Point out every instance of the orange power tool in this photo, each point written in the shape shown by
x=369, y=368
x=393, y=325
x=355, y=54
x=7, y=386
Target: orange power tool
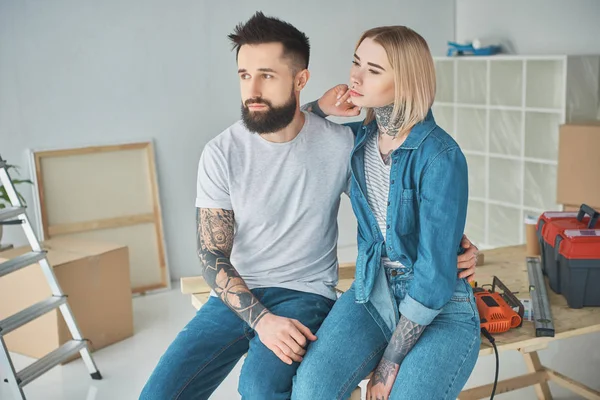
x=496, y=310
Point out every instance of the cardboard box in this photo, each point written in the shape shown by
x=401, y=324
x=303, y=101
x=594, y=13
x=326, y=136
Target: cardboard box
x=94, y=276
x=578, y=176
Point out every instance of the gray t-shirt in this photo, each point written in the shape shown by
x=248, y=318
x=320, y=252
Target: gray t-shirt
x=285, y=198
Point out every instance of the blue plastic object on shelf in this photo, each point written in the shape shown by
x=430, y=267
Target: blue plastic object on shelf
x=455, y=49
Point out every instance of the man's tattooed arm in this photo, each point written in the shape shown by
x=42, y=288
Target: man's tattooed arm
x=403, y=340
x=313, y=107
x=215, y=241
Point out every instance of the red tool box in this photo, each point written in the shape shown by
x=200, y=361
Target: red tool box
x=570, y=244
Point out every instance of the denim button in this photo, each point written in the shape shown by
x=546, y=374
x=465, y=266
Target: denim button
x=392, y=181
x=388, y=227
x=394, y=272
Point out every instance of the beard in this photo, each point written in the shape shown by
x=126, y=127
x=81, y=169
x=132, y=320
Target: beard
x=273, y=119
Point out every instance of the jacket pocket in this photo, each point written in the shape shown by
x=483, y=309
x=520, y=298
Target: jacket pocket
x=407, y=221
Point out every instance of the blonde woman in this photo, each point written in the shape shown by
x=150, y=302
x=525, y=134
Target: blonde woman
x=408, y=317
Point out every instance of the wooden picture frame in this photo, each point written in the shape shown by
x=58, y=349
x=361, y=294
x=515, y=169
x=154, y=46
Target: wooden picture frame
x=107, y=193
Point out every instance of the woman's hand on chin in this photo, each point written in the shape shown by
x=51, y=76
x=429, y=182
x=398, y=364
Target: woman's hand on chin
x=337, y=102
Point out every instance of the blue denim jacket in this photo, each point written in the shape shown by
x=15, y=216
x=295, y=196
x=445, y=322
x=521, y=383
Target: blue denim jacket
x=425, y=221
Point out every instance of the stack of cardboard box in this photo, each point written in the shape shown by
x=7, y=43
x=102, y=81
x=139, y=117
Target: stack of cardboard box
x=579, y=166
x=94, y=276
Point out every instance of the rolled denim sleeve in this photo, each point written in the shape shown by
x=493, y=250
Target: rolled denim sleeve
x=442, y=215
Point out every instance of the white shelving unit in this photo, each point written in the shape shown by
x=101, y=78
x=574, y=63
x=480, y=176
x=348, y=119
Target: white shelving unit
x=505, y=112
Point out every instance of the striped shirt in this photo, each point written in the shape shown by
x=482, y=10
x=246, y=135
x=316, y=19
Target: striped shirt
x=377, y=175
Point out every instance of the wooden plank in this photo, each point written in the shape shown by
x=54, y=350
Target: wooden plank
x=194, y=284
x=106, y=223
x=508, y=385
x=344, y=284
x=542, y=390
x=40, y=189
x=148, y=288
x=508, y=263
x=480, y=260
x=198, y=299
x=157, y=213
x=531, y=349
x=574, y=386
x=346, y=273
x=90, y=150
x=356, y=394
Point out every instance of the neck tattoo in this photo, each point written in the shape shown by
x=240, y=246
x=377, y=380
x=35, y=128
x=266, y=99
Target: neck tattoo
x=383, y=115
x=387, y=158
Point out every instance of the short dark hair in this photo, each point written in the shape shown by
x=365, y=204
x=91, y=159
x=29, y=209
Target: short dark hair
x=261, y=29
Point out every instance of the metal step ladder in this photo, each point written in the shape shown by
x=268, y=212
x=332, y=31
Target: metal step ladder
x=15, y=214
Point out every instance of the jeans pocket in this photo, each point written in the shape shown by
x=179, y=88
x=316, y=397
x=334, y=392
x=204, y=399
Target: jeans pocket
x=462, y=301
x=462, y=292
x=461, y=308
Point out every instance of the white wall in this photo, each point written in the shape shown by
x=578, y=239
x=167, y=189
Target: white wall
x=83, y=73
x=76, y=73
x=532, y=26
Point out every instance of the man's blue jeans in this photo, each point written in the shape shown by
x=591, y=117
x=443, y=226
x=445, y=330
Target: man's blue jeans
x=208, y=348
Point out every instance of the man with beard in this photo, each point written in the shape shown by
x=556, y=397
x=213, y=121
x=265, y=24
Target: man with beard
x=267, y=200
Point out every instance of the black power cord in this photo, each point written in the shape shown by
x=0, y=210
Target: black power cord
x=493, y=342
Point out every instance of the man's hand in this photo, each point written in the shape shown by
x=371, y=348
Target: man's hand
x=381, y=383
x=467, y=261
x=285, y=337
x=337, y=101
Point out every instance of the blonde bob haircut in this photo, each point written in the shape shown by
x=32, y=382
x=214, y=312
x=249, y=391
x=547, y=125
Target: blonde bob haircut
x=414, y=73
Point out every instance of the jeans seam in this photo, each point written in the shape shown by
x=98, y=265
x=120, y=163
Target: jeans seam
x=227, y=346
x=474, y=309
x=453, y=381
x=460, y=299
x=355, y=374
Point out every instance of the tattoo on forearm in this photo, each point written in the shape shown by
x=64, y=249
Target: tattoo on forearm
x=403, y=340
x=384, y=371
x=308, y=107
x=215, y=242
x=313, y=107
